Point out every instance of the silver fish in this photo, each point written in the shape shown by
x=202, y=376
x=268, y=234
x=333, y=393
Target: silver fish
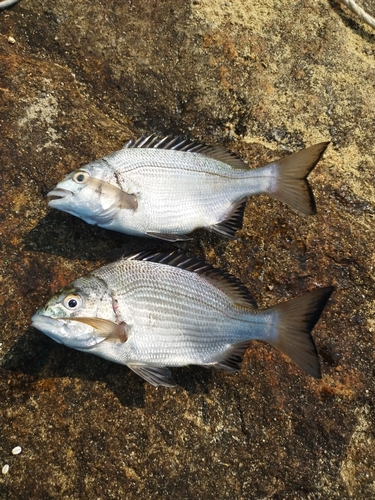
x=166, y=188
x=154, y=311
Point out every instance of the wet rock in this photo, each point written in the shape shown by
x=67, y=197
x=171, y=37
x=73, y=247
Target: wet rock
x=263, y=79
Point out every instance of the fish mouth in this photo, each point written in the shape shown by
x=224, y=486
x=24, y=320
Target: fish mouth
x=39, y=320
x=60, y=330
x=45, y=324
x=57, y=195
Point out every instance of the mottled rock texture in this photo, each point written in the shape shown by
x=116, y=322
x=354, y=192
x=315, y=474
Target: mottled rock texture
x=263, y=78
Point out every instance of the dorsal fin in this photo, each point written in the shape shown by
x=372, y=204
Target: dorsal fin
x=182, y=144
x=222, y=280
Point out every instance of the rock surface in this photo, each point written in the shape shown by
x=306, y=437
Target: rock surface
x=78, y=79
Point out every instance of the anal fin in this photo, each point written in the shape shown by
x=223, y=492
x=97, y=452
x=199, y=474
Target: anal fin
x=156, y=375
x=232, y=358
x=233, y=222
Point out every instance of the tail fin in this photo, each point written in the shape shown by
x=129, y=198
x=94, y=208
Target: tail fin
x=296, y=319
x=291, y=186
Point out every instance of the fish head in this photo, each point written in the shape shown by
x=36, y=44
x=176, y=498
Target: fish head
x=91, y=194
x=80, y=315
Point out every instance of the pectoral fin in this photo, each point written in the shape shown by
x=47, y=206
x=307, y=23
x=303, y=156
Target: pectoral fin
x=156, y=375
x=128, y=201
x=108, y=330
x=121, y=198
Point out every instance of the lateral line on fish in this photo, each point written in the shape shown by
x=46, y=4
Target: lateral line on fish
x=199, y=170
x=204, y=302
x=221, y=280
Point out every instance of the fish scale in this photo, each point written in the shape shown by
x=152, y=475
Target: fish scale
x=180, y=302
x=204, y=187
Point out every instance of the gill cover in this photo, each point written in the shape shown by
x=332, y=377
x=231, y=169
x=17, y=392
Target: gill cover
x=92, y=199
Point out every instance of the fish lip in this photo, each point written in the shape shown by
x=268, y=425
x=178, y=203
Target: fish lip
x=58, y=194
x=45, y=324
x=39, y=320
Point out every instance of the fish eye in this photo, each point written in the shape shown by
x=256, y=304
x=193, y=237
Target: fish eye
x=81, y=177
x=72, y=301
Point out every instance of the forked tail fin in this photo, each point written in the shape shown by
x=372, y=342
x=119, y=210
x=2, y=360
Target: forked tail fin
x=296, y=319
x=290, y=174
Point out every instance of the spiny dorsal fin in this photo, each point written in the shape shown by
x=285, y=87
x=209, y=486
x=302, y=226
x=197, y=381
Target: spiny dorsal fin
x=222, y=280
x=182, y=144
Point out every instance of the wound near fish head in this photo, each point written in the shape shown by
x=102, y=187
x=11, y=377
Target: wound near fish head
x=82, y=315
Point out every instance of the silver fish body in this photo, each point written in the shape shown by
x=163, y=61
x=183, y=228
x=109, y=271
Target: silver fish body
x=151, y=312
x=7, y=3
x=167, y=188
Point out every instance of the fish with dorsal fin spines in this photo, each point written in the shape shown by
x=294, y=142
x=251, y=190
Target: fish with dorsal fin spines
x=156, y=311
x=168, y=187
